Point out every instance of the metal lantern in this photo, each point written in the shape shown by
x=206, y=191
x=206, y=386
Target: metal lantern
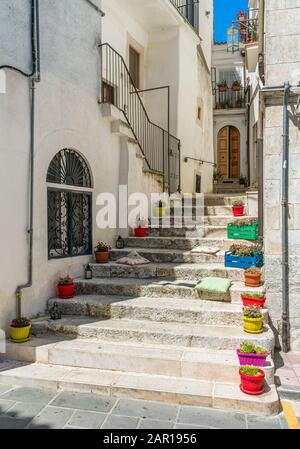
x=55, y=314
x=232, y=39
x=120, y=243
x=88, y=272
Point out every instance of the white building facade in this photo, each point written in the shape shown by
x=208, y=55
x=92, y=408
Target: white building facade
x=65, y=119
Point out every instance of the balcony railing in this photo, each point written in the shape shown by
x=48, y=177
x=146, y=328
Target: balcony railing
x=230, y=98
x=190, y=10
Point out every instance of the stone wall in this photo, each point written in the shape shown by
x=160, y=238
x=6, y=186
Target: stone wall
x=282, y=64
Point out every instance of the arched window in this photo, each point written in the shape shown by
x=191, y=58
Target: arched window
x=69, y=210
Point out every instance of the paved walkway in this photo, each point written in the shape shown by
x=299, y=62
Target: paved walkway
x=32, y=408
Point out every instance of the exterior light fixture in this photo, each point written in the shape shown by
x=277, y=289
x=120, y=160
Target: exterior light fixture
x=232, y=39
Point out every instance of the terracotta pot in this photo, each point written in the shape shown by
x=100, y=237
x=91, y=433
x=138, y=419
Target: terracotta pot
x=140, y=232
x=102, y=257
x=254, y=301
x=238, y=211
x=66, y=291
x=236, y=88
x=252, y=280
x=253, y=385
x=223, y=88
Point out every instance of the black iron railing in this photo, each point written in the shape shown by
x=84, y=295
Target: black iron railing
x=160, y=149
x=190, y=10
x=230, y=98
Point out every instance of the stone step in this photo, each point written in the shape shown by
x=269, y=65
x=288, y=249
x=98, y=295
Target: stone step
x=192, y=272
x=180, y=243
x=158, y=255
x=165, y=288
x=223, y=199
x=161, y=333
x=153, y=309
x=221, y=220
x=143, y=386
x=181, y=362
x=215, y=231
x=218, y=210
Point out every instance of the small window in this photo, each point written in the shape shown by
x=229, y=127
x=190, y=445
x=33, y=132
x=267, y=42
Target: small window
x=134, y=67
x=108, y=93
x=69, y=211
x=199, y=113
x=198, y=184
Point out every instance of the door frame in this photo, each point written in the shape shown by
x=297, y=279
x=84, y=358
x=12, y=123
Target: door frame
x=229, y=158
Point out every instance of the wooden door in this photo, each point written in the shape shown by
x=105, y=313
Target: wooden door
x=234, y=169
x=223, y=151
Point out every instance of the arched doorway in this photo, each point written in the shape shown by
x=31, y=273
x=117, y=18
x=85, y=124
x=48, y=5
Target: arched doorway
x=229, y=152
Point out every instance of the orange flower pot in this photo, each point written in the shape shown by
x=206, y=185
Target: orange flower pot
x=252, y=280
x=102, y=257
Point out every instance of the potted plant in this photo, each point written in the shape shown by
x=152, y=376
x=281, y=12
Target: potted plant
x=20, y=330
x=223, y=86
x=249, y=354
x=244, y=256
x=253, y=319
x=253, y=277
x=160, y=209
x=246, y=229
x=65, y=287
x=218, y=177
x=102, y=252
x=243, y=181
x=251, y=299
x=141, y=230
x=252, y=380
x=238, y=208
x=241, y=15
x=236, y=86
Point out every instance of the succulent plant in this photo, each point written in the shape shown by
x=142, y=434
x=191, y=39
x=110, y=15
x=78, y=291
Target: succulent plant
x=247, y=348
x=252, y=312
x=244, y=222
x=253, y=296
x=20, y=322
x=238, y=203
x=250, y=370
x=65, y=281
x=240, y=249
x=260, y=350
x=102, y=247
x=253, y=270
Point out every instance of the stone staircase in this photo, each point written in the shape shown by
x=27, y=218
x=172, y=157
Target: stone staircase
x=145, y=332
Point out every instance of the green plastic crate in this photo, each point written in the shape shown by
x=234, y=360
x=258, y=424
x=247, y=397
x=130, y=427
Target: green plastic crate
x=242, y=232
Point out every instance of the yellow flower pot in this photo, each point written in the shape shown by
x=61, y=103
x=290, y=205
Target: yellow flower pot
x=160, y=212
x=253, y=325
x=19, y=334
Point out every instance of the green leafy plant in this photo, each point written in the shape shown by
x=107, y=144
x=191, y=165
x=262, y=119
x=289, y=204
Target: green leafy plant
x=238, y=203
x=252, y=312
x=65, y=281
x=240, y=249
x=102, y=247
x=253, y=296
x=243, y=180
x=244, y=222
x=260, y=350
x=236, y=83
x=247, y=348
x=223, y=83
x=20, y=322
x=250, y=370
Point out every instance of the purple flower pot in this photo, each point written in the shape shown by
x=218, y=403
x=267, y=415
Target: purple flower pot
x=252, y=359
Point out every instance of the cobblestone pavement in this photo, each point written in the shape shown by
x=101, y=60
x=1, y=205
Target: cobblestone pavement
x=32, y=408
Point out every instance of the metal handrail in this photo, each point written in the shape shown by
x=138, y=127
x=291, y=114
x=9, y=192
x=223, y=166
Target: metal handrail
x=230, y=98
x=189, y=9
x=155, y=143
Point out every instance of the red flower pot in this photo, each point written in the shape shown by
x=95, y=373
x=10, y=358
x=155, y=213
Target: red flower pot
x=66, y=291
x=236, y=88
x=223, y=88
x=102, y=257
x=238, y=211
x=254, y=301
x=253, y=385
x=140, y=232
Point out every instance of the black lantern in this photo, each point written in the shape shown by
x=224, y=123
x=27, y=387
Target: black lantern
x=120, y=243
x=88, y=272
x=55, y=314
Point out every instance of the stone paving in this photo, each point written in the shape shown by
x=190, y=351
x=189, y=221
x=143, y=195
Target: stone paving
x=32, y=408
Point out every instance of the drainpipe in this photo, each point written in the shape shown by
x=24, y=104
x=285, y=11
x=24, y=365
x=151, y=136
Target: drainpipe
x=34, y=77
x=261, y=41
x=285, y=229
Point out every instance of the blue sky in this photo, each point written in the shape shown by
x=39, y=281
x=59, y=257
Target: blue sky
x=225, y=13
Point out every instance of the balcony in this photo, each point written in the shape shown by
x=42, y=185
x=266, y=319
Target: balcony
x=190, y=10
x=230, y=98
